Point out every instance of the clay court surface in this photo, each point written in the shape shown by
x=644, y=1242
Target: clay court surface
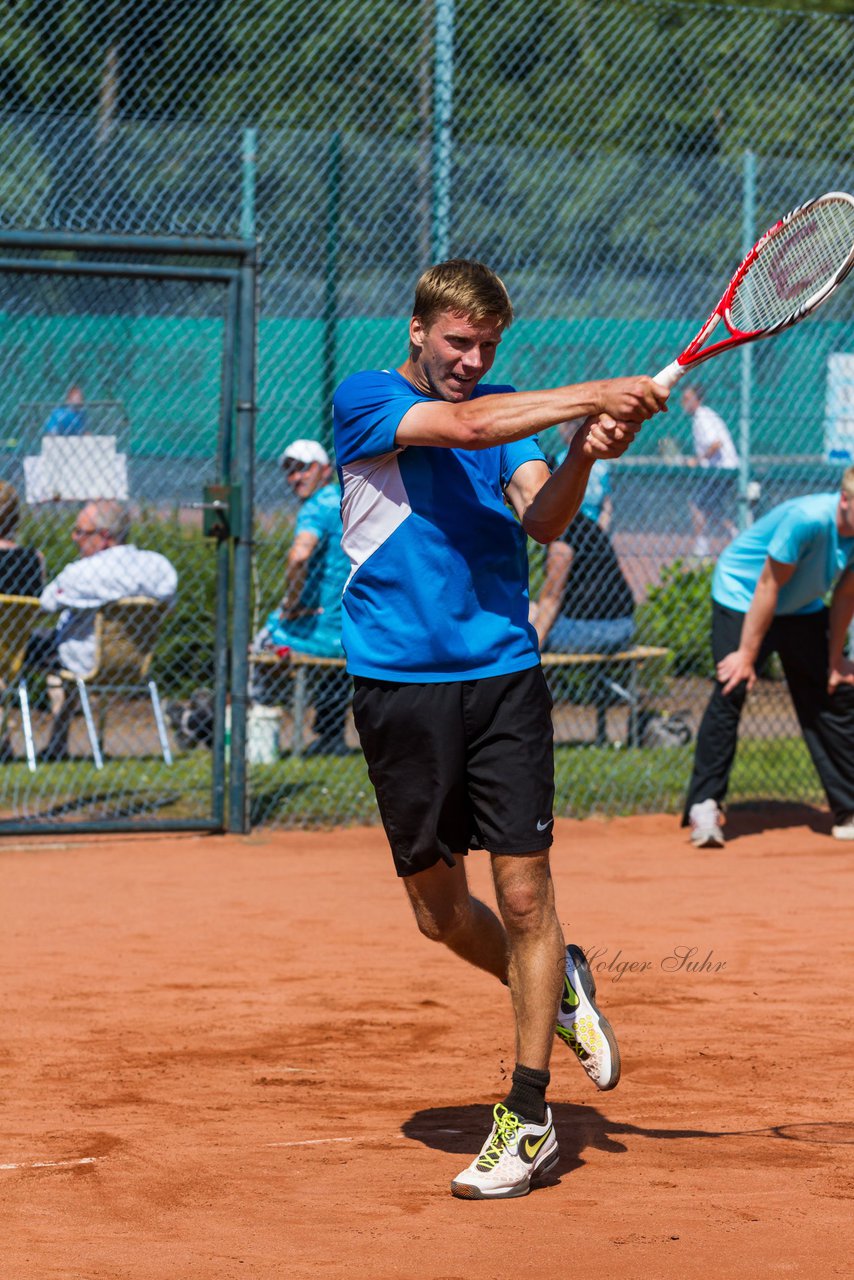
x=236, y=1057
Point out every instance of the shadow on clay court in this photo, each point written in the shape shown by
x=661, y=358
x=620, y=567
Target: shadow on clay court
x=774, y=815
x=461, y=1130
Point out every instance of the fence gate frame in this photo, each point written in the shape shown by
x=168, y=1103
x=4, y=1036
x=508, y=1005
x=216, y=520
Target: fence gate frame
x=235, y=270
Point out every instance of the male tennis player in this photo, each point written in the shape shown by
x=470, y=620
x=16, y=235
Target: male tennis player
x=768, y=595
x=450, y=701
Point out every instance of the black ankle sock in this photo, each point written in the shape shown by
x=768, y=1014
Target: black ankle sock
x=527, y=1096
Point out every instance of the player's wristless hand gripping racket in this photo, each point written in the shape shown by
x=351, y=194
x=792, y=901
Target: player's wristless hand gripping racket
x=793, y=269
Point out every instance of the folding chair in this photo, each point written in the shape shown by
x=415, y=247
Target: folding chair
x=125, y=634
x=18, y=615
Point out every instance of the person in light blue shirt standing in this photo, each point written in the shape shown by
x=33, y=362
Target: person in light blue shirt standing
x=308, y=619
x=768, y=595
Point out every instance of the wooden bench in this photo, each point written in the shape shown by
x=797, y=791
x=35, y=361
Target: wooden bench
x=297, y=667
x=633, y=659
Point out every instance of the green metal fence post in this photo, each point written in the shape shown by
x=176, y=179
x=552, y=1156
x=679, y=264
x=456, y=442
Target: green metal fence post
x=223, y=555
x=443, y=93
x=238, y=809
x=330, y=289
x=247, y=204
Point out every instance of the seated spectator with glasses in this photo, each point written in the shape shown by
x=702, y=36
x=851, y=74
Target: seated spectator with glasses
x=108, y=568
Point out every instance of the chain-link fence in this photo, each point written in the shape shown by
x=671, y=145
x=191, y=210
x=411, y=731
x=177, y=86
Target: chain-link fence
x=611, y=161
x=112, y=602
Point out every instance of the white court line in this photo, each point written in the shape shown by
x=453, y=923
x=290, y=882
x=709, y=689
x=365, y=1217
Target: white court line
x=317, y=1142
x=51, y=1164
x=310, y=1142
x=300, y=1071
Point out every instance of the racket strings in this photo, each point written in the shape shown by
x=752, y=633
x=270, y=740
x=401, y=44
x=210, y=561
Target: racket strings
x=794, y=264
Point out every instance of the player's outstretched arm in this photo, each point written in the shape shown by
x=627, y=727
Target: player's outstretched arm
x=484, y=421
x=741, y=664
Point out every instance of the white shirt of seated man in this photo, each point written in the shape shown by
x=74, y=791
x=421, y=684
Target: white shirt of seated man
x=108, y=568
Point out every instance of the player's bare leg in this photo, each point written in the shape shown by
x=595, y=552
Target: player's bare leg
x=447, y=912
x=521, y=1148
x=536, y=951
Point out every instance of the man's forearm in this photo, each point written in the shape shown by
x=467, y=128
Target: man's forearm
x=558, y=501
x=759, y=616
x=485, y=421
x=294, y=585
x=547, y=610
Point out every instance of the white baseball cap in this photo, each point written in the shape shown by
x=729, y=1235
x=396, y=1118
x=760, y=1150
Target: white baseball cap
x=305, y=451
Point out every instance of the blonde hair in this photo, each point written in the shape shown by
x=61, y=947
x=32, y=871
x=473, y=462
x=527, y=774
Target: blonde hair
x=848, y=482
x=464, y=287
x=10, y=509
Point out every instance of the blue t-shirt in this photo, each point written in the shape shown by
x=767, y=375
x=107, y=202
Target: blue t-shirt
x=319, y=631
x=438, y=587
x=801, y=532
x=66, y=420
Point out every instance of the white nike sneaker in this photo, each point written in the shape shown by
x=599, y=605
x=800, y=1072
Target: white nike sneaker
x=516, y=1154
x=706, y=821
x=582, y=1026
x=844, y=830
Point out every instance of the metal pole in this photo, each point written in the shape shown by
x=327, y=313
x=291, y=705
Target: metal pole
x=330, y=289
x=78, y=242
x=443, y=93
x=748, y=235
x=125, y=270
x=247, y=204
x=223, y=554
x=238, y=809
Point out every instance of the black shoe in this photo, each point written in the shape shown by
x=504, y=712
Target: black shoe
x=54, y=752
x=7, y=755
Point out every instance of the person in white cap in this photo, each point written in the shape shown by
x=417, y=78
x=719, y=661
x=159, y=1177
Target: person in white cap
x=308, y=619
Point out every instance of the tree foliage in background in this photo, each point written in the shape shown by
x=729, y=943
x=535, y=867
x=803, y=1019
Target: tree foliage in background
x=269, y=61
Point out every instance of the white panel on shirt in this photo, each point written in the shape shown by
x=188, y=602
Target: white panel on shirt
x=374, y=503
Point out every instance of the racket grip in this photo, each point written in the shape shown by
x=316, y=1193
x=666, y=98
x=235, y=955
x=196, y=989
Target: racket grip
x=670, y=375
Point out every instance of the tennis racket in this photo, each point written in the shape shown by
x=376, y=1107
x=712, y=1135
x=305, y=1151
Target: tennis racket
x=789, y=272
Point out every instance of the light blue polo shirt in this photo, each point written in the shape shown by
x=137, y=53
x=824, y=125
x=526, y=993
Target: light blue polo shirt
x=319, y=632
x=599, y=486
x=801, y=532
x=438, y=587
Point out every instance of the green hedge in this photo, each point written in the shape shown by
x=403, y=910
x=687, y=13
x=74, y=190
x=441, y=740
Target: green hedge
x=677, y=615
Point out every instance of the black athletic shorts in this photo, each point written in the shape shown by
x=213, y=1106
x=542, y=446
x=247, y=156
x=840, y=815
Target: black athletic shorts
x=458, y=766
